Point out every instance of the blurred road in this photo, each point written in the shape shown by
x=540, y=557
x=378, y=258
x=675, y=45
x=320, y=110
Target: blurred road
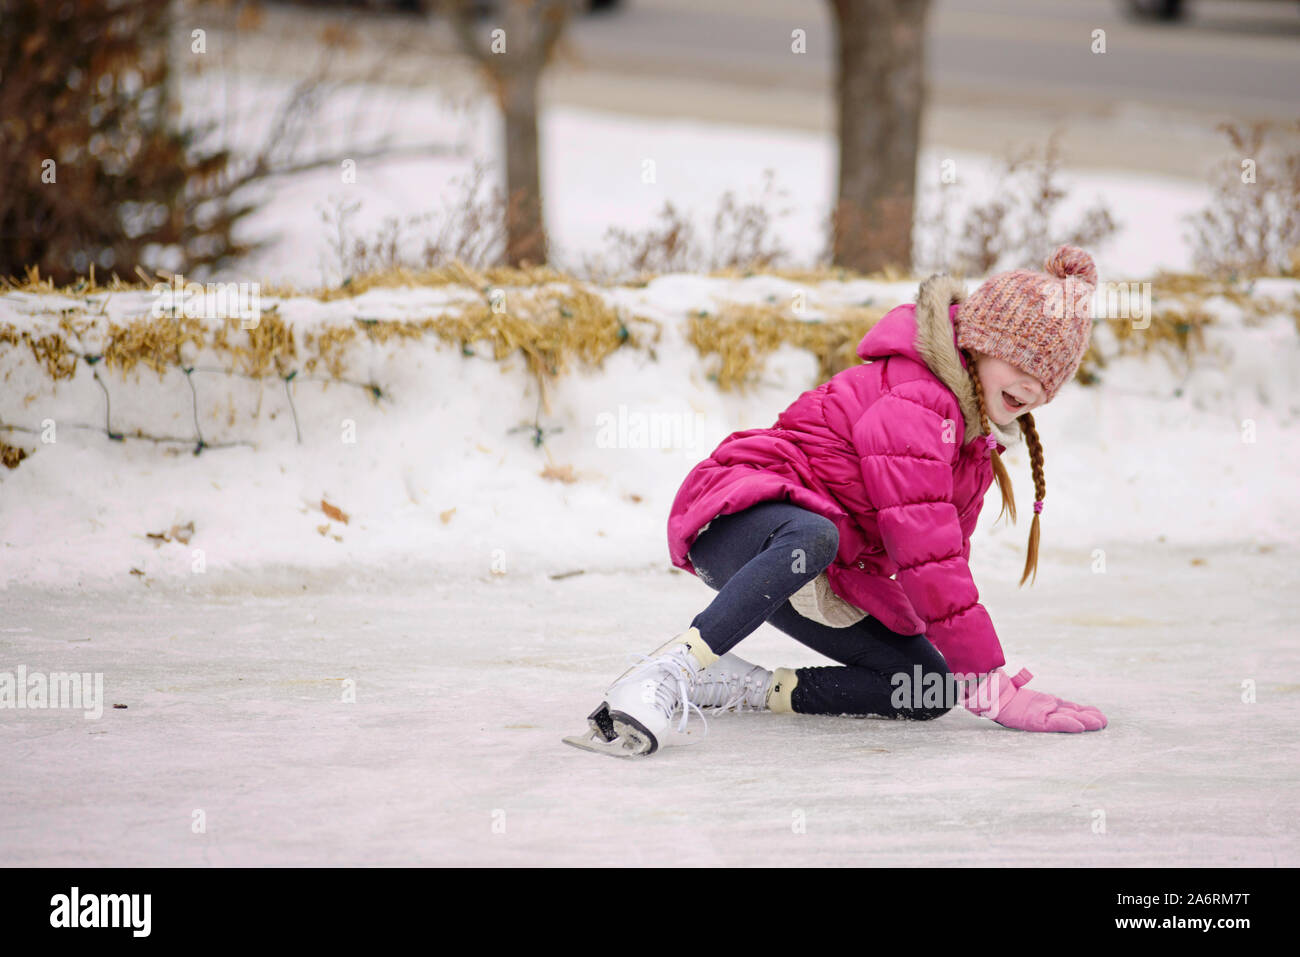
x=1243, y=57
x=1001, y=72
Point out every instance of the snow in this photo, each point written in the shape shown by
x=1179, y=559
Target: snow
x=602, y=169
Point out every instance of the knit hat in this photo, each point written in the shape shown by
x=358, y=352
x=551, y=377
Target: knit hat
x=1037, y=322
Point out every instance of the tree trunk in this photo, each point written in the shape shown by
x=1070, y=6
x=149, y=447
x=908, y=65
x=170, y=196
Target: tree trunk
x=880, y=86
x=525, y=235
x=529, y=36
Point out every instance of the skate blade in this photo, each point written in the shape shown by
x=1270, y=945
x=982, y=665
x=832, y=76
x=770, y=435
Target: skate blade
x=610, y=734
x=592, y=741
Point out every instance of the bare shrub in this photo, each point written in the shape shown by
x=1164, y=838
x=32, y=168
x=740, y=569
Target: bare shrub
x=743, y=235
x=473, y=228
x=1252, y=226
x=1014, y=227
x=469, y=229
x=669, y=246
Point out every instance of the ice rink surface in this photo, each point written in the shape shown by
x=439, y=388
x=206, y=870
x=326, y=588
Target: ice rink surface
x=237, y=746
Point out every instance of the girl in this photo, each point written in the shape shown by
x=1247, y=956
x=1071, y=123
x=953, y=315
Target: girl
x=847, y=524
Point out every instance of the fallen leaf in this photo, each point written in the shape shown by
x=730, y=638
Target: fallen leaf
x=446, y=516
x=563, y=473
x=323, y=528
x=136, y=571
x=333, y=512
x=11, y=455
x=180, y=533
x=1198, y=561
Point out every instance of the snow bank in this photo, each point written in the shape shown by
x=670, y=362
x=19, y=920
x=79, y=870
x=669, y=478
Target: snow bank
x=444, y=478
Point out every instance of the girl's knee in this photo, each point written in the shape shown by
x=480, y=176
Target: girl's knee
x=820, y=540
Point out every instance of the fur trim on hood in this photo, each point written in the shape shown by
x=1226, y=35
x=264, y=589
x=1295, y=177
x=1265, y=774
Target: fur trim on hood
x=936, y=341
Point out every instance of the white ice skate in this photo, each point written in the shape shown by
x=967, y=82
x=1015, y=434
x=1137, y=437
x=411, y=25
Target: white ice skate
x=635, y=717
x=732, y=684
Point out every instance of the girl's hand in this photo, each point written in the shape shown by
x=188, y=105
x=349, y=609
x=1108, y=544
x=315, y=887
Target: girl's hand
x=1011, y=705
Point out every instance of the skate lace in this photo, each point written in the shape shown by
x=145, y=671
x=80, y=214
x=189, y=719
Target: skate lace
x=679, y=669
x=732, y=688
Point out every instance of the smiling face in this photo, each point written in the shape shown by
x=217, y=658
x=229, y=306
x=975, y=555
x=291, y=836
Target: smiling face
x=1004, y=386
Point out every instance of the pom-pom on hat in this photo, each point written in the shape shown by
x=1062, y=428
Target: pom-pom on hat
x=1038, y=322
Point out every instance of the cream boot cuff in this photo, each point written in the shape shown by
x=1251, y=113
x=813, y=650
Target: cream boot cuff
x=699, y=648
x=778, y=696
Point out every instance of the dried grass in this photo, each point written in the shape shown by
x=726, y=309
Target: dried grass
x=158, y=343
x=1179, y=319
x=740, y=337
x=451, y=274
x=556, y=322
x=554, y=326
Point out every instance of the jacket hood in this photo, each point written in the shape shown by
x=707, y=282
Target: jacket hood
x=925, y=332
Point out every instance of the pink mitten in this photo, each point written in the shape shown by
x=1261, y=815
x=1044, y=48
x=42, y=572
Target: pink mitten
x=1011, y=705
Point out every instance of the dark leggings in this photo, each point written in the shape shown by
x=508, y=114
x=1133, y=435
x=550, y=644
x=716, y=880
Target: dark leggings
x=753, y=559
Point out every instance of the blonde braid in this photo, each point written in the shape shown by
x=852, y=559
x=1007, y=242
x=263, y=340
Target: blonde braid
x=999, y=470
x=1035, y=446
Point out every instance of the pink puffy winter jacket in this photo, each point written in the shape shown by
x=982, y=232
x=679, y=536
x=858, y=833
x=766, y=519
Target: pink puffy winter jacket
x=885, y=450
